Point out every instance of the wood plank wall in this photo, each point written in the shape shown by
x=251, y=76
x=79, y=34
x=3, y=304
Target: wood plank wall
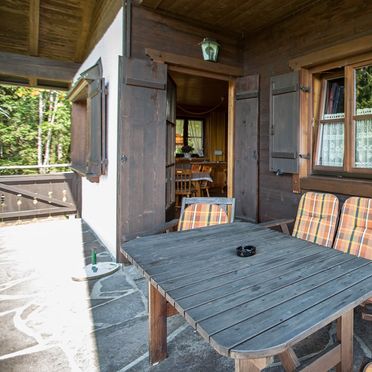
x=151, y=30
x=325, y=24
x=215, y=135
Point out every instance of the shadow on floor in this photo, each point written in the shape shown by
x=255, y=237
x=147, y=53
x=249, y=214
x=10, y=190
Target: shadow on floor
x=52, y=323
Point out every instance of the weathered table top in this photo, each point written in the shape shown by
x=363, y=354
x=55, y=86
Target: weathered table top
x=254, y=306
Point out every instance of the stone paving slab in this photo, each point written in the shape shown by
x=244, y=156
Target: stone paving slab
x=50, y=323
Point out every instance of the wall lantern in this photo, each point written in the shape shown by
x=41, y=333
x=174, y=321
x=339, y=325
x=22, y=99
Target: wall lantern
x=210, y=49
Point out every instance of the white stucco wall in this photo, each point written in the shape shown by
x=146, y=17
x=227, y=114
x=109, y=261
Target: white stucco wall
x=99, y=199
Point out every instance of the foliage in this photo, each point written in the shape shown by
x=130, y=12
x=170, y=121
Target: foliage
x=187, y=148
x=28, y=117
x=364, y=88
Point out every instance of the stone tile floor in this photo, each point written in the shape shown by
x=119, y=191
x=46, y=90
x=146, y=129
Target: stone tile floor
x=50, y=323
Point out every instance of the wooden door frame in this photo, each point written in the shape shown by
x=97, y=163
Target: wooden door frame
x=230, y=116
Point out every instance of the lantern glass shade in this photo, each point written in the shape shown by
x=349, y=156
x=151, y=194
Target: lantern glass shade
x=210, y=49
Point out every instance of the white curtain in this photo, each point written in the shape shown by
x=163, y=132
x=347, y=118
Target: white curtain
x=363, y=143
x=195, y=133
x=331, y=152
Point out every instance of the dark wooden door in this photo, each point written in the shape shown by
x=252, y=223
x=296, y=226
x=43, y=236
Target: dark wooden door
x=142, y=155
x=246, y=147
x=170, y=167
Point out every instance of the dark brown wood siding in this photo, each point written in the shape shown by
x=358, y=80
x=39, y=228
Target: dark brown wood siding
x=151, y=30
x=267, y=53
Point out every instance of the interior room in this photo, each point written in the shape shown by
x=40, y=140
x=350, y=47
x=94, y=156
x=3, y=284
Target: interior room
x=201, y=133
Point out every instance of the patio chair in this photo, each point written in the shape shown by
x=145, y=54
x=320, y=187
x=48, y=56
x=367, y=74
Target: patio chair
x=354, y=235
x=316, y=219
x=202, y=212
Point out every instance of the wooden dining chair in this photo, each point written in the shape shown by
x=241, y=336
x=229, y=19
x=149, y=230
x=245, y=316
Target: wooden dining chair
x=316, y=219
x=183, y=185
x=202, y=212
x=354, y=235
x=204, y=185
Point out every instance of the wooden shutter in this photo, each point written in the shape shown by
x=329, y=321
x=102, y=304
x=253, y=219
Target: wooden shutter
x=246, y=147
x=170, y=196
x=284, y=123
x=88, y=129
x=142, y=118
x=96, y=129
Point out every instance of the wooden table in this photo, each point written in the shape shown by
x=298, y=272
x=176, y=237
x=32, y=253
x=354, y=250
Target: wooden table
x=252, y=308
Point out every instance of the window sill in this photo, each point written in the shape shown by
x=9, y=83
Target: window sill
x=345, y=186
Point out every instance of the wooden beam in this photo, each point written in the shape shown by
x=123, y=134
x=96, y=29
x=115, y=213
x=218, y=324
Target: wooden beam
x=86, y=18
x=194, y=63
x=326, y=361
x=345, y=327
x=336, y=52
x=230, y=139
x=157, y=326
x=289, y=360
x=34, y=26
x=37, y=67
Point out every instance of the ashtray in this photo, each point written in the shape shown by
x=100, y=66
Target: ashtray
x=246, y=251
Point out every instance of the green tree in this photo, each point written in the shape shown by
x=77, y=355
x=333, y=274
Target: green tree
x=34, y=127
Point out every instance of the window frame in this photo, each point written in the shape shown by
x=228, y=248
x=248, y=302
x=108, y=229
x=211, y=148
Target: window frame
x=323, y=98
x=348, y=170
x=186, y=120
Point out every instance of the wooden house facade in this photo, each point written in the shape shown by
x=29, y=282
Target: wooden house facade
x=276, y=67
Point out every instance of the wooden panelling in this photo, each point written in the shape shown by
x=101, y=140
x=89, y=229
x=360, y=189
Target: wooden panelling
x=142, y=148
x=269, y=52
x=32, y=196
x=55, y=29
x=239, y=16
x=150, y=30
x=215, y=135
x=245, y=154
x=43, y=68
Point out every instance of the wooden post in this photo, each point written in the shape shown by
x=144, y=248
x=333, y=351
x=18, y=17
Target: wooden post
x=250, y=365
x=289, y=360
x=157, y=326
x=345, y=325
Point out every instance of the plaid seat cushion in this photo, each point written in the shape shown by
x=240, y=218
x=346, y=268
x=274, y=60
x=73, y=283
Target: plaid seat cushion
x=316, y=218
x=201, y=215
x=354, y=234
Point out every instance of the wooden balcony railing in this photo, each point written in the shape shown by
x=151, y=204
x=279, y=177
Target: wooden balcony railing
x=39, y=195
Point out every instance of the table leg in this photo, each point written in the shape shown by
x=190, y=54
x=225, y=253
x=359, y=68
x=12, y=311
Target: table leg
x=250, y=365
x=345, y=327
x=157, y=325
x=289, y=360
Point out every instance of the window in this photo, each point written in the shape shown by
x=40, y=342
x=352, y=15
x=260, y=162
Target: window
x=190, y=132
x=88, y=124
x=344, y=128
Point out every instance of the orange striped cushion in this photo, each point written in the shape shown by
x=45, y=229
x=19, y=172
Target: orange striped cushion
x=201, y=215
x=354, y=233
x=316, y=218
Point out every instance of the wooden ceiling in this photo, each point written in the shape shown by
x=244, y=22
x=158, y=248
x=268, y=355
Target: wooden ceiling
x=197, y=91
x=62, y=30
x=239, y=17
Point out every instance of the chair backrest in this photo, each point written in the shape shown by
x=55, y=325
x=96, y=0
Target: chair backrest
x=201, y=212
x=207, y=169
x=317, y=218
x=183, y=181
x=354, y=233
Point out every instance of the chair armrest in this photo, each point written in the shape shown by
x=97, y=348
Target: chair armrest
x=283, y=223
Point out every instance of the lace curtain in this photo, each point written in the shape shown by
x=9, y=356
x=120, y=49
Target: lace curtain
x=331, y=152
x=363, y=140
x=196, y=136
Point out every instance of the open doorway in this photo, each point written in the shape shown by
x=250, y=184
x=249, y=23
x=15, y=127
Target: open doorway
x=201, y=132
